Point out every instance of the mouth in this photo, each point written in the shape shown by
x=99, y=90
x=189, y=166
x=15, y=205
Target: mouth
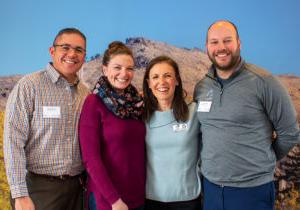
x=69, y=61
x=122, y=80
x=163, y=89
x=222, y=54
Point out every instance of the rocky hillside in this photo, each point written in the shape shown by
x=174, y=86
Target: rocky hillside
x=292, y=83
x=6, y=85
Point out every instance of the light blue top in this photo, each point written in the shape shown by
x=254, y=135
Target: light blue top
x=172, y=157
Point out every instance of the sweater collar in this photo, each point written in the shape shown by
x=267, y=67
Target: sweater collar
x=159, y=118
x=213, y=74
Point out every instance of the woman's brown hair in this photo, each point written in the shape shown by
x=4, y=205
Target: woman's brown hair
x=115, y=48
x=179, y=106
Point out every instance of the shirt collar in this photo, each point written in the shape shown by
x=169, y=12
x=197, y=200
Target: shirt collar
x=55, y=75
x=52, y=73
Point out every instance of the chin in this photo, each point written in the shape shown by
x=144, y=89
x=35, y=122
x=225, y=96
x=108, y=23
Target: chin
x=121, y=88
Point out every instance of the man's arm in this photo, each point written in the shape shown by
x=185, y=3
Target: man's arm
x=18, y=113
x=283, y=116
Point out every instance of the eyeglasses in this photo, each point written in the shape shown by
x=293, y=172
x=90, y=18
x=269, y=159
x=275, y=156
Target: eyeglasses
x=66, y=48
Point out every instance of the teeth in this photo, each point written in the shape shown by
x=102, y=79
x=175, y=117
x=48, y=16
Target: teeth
x=121, y=80
x=222, y=55
x=162, y=89
x=69, y=61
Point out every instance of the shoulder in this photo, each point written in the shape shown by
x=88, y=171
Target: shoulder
x=27, y=85
x=263, y=77
x=92, y=106
x=198, y=87
x=192, y=106
x=92, y=100
x=201, y=81
x=83, y=90
x=83, y=87
x=93, y=103
x=192, y=111
x=257, y=71
x=266, y=80
x=31, y=79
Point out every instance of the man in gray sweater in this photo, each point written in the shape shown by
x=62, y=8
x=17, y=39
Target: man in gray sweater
x=239, y=107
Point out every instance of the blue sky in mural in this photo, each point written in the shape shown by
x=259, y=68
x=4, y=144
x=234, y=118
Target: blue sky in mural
x=269, y=29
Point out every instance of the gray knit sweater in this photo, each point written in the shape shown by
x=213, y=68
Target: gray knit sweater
x=237, y=121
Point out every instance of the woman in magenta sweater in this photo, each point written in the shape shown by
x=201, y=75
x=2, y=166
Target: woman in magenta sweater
x=112, y=136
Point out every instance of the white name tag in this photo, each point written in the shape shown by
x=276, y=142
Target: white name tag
x=204, y=106
x=180, y=127
x=51, y=112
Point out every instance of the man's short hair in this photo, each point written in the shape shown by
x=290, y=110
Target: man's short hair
x=68, y=31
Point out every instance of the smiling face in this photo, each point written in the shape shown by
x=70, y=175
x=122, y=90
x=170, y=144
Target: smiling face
x=223, y=46
x=119, y=71
x=68, y=61
x=162, y=82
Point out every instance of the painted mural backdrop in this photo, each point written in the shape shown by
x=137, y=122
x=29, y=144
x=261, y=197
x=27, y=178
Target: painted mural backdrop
x=193, y=65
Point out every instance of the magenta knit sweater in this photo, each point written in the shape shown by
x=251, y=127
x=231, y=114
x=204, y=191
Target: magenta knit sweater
x=113, y=153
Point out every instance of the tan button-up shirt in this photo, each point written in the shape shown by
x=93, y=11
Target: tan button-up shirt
x=41, y=128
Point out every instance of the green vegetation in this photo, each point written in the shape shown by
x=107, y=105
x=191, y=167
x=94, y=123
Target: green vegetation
x=4, y=189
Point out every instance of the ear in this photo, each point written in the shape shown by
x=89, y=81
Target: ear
x=104, y=70
x=52, y=51
x=206, y=50
x=239, y=44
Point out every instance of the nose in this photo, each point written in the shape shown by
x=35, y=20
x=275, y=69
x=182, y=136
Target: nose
x=123, y=72
x=221, y=46
x=162, y=80
x=72, y=52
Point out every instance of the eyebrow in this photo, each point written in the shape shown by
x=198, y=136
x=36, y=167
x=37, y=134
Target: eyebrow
x=227, y=37
x=69, y=45
x=116, y=64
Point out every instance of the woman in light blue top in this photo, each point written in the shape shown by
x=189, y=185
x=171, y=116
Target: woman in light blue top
x=172, y=140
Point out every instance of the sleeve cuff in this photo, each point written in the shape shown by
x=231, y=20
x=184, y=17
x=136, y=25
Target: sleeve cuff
x=18, y=191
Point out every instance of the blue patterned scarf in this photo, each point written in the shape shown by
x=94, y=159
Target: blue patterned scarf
x=128, y=105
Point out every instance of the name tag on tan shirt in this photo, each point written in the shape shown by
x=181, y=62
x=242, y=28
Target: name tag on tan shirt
x=51, y=111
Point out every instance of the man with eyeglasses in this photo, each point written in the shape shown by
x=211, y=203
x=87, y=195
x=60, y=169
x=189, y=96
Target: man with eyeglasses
x=41, y=147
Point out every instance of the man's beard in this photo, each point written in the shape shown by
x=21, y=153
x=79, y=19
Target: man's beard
x=235, y=59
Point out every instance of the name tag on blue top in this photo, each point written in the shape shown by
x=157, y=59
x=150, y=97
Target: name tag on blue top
x=180, y=127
